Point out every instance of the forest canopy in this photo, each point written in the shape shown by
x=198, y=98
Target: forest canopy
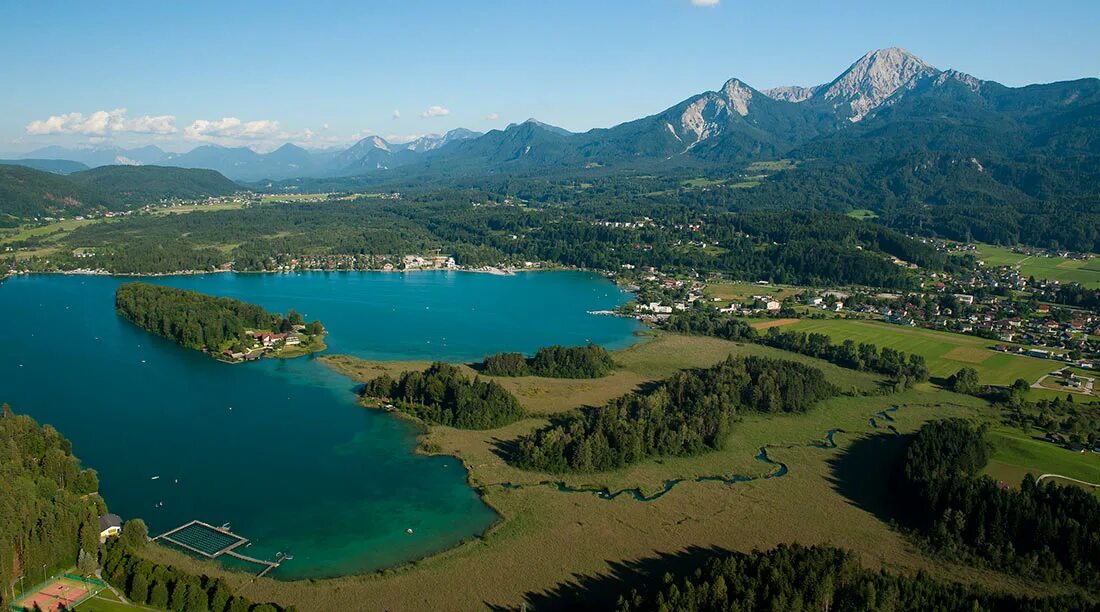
x=48, y=513
x=202, y=322
x=686, y=414
x=1041, y=529
x=443, y=395
x=591, y=361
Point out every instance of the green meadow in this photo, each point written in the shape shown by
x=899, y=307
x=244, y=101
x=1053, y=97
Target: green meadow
x=945, y=352
x=1086, y=272
x=1016, y=453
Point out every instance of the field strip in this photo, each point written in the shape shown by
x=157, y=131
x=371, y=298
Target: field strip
x=762, y=325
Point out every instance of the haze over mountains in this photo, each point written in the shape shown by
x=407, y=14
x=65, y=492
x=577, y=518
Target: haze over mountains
x=887, y=103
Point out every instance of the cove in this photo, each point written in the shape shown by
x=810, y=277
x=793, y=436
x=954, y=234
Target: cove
x=279, y=449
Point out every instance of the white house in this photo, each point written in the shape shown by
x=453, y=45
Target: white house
x=110, y=525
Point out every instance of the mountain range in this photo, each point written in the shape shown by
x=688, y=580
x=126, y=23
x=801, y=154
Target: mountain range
x=888, y=103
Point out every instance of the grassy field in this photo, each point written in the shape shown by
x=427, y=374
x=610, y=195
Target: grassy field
x=945, y=352
x=1054, y=268
x=31, y=231
x=1017, y=453
x=550, y=541
x=862, y=214
x=190, y=208
x=106, y=601
x=744, y=291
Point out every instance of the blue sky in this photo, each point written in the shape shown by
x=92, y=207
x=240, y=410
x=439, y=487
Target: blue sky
x=179, y=74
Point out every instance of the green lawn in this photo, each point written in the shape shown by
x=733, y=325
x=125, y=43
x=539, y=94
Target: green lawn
x=945, y=352
x=743, y=291
x=1017, y=453
x=1054, y=268
x=106, y=602
x=862, y=214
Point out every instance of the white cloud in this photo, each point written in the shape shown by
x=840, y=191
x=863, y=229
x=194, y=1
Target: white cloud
x=102, y=123
x=705, y=2
x=492, y=116
x=396, y=114
x=435, y=111
x=230, y=130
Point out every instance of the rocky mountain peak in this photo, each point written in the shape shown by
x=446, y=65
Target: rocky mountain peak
x=738, y=95
x=867, y=84
x=972, y=82
x=789, y=93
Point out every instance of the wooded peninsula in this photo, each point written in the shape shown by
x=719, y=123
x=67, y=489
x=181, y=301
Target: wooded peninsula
x=224, y=328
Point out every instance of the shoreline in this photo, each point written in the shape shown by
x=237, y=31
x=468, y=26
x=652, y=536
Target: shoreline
x=490, y=270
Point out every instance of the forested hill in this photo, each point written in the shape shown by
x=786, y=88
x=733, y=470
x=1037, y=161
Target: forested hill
x=27, y=193
x=46, y=514
x=138, y=185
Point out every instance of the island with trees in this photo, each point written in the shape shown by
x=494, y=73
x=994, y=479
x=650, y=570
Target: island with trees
x=227, y=329
x=591, y=361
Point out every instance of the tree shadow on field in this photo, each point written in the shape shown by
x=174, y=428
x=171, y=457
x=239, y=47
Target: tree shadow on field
x=601, y=591
x=508, y=450
x=866, y=474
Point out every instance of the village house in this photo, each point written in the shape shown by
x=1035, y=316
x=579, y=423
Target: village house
x=110, y=525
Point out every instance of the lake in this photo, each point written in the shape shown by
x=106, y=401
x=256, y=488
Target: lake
x=279, y=449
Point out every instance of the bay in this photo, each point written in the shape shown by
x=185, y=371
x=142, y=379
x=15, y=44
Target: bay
x=279, y=449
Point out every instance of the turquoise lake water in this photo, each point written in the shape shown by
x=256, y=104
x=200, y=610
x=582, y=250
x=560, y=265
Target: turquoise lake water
x=279, y=449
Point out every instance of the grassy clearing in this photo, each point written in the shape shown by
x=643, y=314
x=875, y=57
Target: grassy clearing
x=106, y=601
x=32, y=231
x=744, y=291
x=770, y=323
x=1086, y=272
x=1017, y=453
x=190, y=208
x=945, y=352
x=771, y=166
x=862, y=214
x=697, y=183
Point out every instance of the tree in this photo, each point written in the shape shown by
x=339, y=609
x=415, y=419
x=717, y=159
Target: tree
x=158, y=596
x=964, y=381
x=134, y=534
x=86, y=563
x=139, y=588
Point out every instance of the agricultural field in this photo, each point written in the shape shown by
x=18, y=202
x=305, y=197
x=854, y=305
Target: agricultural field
x=1016, y=453
x=1086, y=272
x=734, y=292
x=779, y=479
x=9, y=236
x=190, y=208
x=945, y=352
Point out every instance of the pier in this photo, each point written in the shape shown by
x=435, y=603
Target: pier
x=212, y=542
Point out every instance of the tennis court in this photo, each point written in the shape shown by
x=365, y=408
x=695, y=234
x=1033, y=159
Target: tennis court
x=64, y=593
